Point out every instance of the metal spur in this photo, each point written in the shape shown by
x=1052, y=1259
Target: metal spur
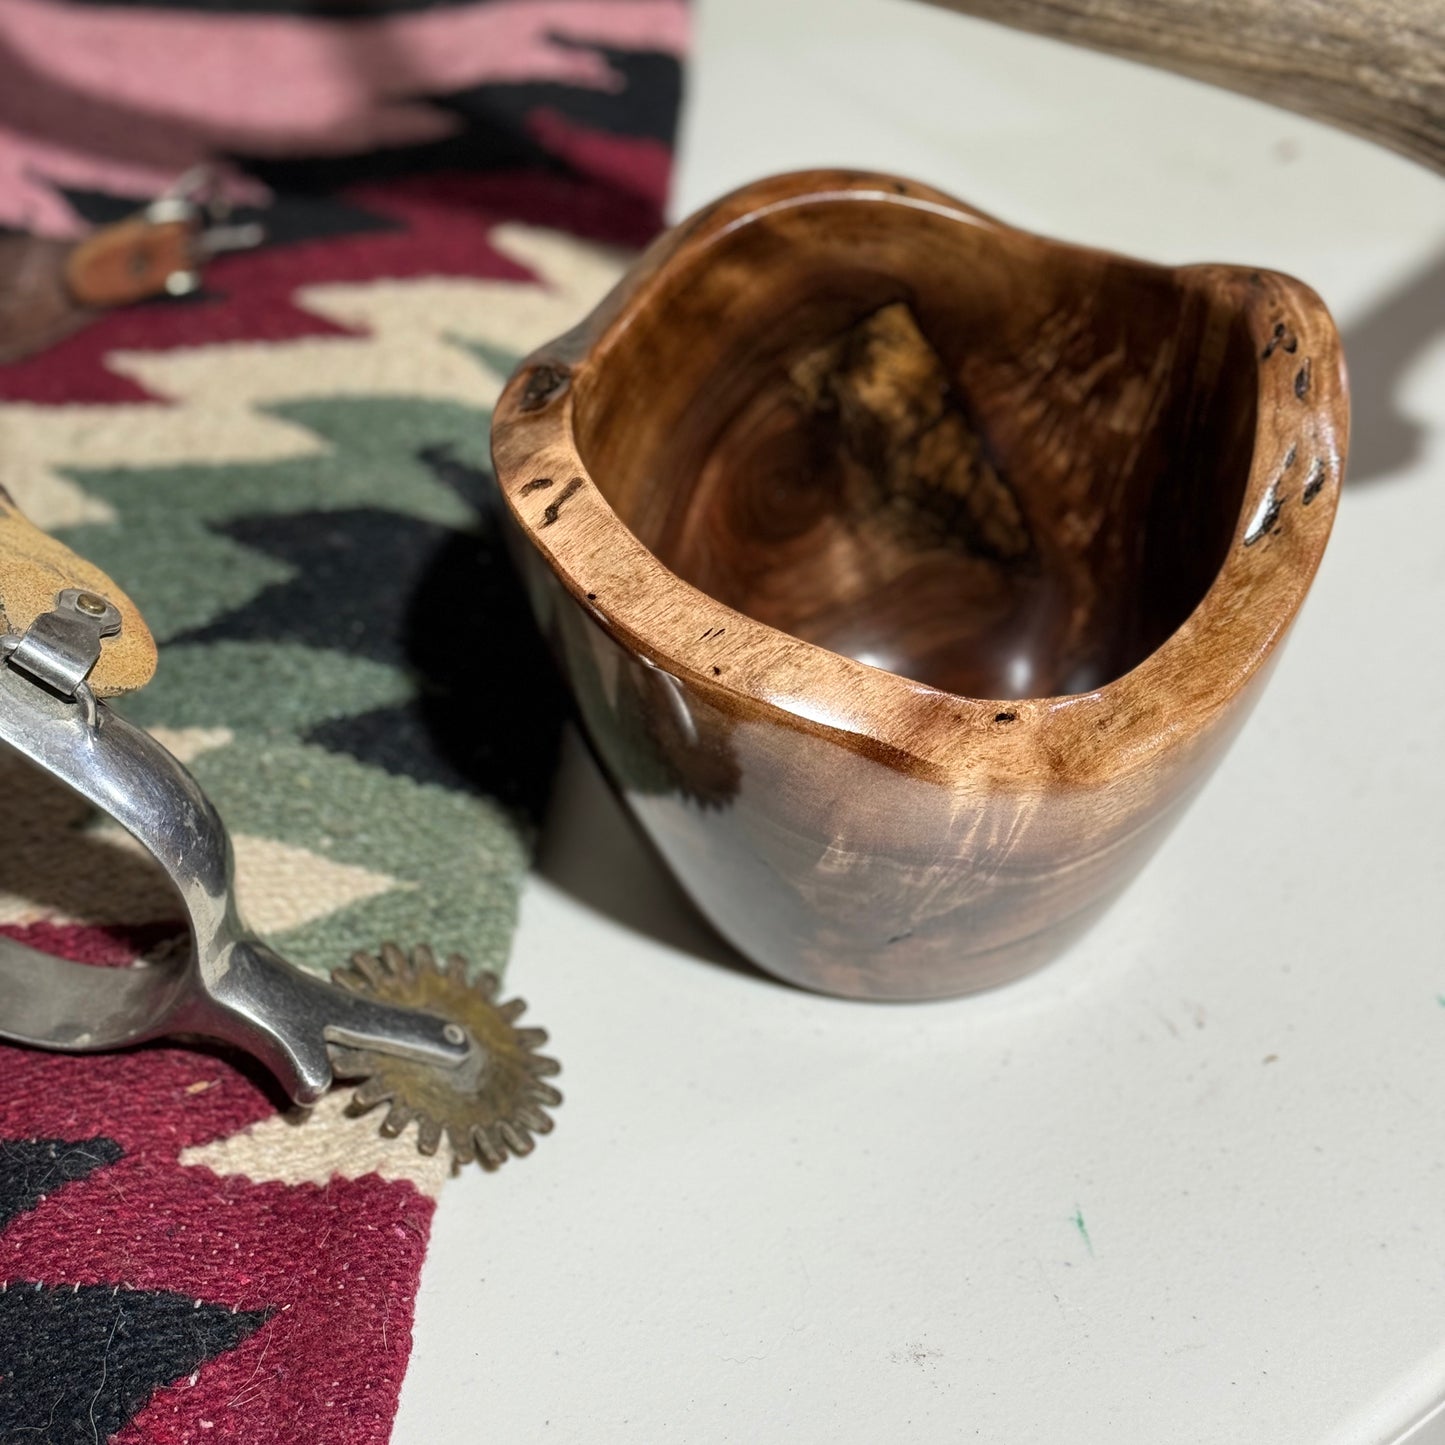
x=419, y=1036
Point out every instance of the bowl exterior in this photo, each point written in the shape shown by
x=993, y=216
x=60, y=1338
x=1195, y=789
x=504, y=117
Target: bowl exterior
x=841, y=868
x=844, y=828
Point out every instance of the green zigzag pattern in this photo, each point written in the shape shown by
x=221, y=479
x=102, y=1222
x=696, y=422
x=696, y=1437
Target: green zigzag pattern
x=459, y=858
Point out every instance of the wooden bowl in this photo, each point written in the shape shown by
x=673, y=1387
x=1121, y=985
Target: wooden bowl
x=912, y=571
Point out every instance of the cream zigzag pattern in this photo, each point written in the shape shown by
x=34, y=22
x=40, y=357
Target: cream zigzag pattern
x=216, y=392
x=315, y=1145
x=62, y=867
x=57, y=866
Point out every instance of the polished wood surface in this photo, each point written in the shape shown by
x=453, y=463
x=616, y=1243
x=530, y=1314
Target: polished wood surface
x=1375, y=67
x=910, y=570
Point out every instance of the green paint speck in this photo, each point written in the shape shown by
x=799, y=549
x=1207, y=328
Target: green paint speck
x=1083, y=1230
x=1440, y=999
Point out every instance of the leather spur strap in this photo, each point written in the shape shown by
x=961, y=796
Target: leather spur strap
x=51, y=288
x=35, y=569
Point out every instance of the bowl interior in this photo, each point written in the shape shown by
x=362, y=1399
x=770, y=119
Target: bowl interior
x=984, y=461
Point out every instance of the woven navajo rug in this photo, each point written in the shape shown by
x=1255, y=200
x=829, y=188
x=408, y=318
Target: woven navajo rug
x=288, y=472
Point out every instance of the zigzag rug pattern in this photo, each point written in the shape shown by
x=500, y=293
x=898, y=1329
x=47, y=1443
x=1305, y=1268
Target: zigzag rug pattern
x=289, y=474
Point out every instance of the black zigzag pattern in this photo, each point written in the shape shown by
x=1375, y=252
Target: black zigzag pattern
x=33, y=1169
x=443, y=605
x=77, y=1362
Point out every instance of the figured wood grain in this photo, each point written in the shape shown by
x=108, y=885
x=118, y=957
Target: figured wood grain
x=1375, y=67
x=910, y=571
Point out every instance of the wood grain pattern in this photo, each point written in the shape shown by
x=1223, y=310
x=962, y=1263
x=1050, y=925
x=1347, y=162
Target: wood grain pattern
x=1375, y=67
x=912, y=571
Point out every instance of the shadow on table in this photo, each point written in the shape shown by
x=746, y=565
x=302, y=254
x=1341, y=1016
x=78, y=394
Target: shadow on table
x=495, y=729
x=1380, y=348
x=593, y=850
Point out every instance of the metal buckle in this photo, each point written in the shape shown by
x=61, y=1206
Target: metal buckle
x=195, y=199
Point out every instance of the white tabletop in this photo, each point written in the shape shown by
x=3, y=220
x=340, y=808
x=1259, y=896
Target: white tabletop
x=1187, y=1184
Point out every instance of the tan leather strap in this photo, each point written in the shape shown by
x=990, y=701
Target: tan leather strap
x=50, y=288
x=130, y=261
x=35, y=568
